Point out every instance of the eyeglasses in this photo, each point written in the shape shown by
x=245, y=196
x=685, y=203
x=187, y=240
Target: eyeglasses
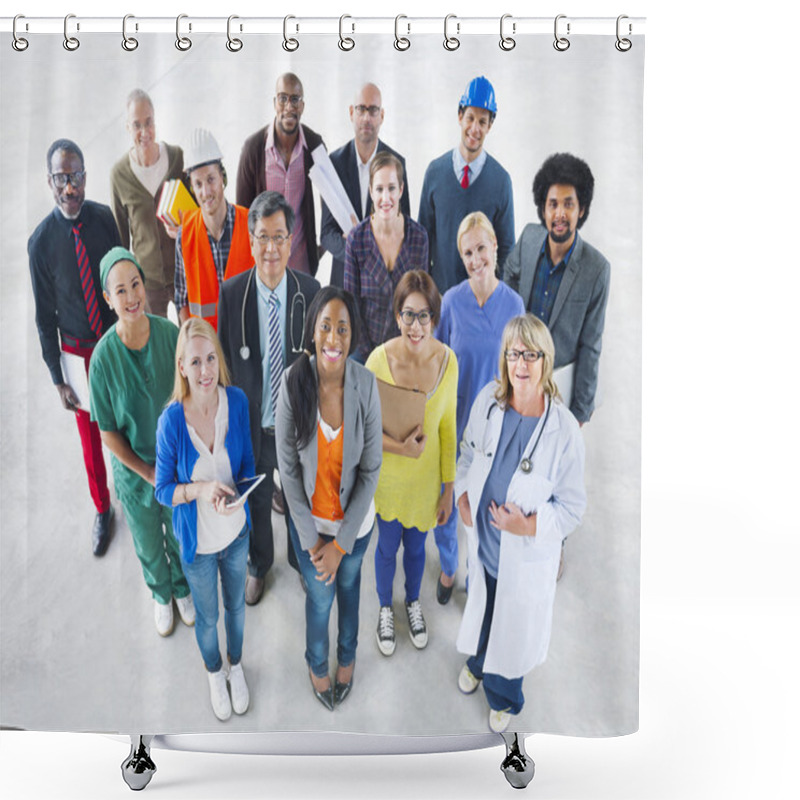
x=373, y=111
x=528, y=356
x=75, y=179
x=278, y=240
x=294, y=99
x=409, y=316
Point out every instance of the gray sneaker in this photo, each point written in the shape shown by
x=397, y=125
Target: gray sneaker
x=385, y=632
x=417, y=629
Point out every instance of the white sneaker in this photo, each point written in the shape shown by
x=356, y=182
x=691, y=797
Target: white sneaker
x=499, y=720
x=240, y=695
x=165, y=621
x=417, y=629
x=385, y=632
x=467, y=682
x=185, y=609
x=220, y=701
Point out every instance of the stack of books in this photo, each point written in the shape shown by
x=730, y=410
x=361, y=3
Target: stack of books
x=174, y=198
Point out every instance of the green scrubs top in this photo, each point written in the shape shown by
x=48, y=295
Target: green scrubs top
x=128, y=391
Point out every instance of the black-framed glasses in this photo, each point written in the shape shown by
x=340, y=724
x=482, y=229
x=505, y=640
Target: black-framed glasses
x=75, y=179
x=528, y=356
x=294, y=99
x=373, y=111
x=278, y=240
x=409, y=316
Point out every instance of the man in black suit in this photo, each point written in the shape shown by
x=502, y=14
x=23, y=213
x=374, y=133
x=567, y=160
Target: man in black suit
x=261, y=319
x=352, y=162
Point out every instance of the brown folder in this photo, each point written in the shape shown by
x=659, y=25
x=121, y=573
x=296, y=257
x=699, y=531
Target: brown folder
x=401, y=409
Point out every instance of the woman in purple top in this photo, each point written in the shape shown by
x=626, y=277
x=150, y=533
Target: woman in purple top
x=379, y=251
x=474, y=314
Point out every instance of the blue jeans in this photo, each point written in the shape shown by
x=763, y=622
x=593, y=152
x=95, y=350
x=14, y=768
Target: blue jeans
x=446, y=537
x=202, y=577
x=319, y=600
x=503, y=694
x=390, y=535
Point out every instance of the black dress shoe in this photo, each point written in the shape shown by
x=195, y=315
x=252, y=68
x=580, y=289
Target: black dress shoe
x=341, y=690
x=326, y=697
x=443, y=592
x=102, y=531
x=278, y=503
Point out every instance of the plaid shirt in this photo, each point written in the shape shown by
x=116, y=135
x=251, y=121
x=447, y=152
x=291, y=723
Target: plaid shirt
x=219, y=250
x=366, y=276
x=546, y=282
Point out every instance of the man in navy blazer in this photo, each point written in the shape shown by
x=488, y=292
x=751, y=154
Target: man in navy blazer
x=562, y=279
x=246, y=338
x=352, y=162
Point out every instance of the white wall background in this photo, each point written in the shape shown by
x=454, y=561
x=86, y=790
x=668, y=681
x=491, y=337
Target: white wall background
x=719, y=695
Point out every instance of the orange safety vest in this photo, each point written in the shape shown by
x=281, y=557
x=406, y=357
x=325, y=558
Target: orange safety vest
x=202, y=284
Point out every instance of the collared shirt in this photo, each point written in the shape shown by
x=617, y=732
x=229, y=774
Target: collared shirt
x=263, y=294
x=547, y=280
x=291, y=183
x=220, y=250
x=475, y=167
x=55, y=277
x=363, y=178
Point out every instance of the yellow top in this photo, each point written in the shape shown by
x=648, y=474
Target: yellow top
x=409, y=488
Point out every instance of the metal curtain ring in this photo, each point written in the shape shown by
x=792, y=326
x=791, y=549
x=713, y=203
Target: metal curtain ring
x=451, y=42
x=507, y=42
x=623, y=45
x=129, y=43
x=401, y=42
x=183, y=43
x=18, y=42
x=70, y=42
x=561, y=43
x=345, y=42
x=233, y=44
x=289, y=44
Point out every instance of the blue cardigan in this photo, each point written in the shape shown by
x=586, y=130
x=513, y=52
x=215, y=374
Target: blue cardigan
x=176, y=457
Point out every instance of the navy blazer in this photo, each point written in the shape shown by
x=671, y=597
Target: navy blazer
x=579, y=311
x=345, y=162
x=246, y=373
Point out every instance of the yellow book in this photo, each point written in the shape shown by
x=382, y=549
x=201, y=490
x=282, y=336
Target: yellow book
x=174, y=198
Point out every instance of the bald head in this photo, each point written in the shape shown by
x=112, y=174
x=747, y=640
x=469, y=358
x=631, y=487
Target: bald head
x=288, y=104
x=366, y=114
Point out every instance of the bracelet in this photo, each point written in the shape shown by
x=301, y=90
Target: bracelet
x=339, y=548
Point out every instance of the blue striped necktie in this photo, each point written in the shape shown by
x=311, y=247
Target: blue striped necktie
x=275, y=350
x=87, y=282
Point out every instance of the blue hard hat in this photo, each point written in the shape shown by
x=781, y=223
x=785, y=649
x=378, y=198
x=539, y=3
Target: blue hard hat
x=479, y=94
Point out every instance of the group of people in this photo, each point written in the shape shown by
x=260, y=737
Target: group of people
x=271, y=372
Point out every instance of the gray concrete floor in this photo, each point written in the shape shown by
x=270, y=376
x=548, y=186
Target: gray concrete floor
x=78, y=647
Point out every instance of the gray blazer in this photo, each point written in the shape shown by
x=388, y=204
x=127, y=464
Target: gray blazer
x=361, y=460
x=579, y=311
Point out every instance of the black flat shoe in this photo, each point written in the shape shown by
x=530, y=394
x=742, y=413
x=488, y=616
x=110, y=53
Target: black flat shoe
x=341, y=690
x=102, y=531
x=326, y=697
x=443, y=592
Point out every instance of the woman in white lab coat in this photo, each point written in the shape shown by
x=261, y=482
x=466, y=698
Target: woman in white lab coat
x=519, y=489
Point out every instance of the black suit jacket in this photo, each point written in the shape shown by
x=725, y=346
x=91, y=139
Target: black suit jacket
x=345, y=162
x=246, y=373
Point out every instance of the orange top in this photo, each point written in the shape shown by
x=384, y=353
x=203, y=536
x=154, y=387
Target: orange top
x=325, y=502
x=202, y=283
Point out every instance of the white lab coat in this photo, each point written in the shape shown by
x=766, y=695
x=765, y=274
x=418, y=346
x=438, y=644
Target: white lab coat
x=528, y=566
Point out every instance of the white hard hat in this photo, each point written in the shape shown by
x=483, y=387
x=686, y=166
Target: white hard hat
x=202, y=149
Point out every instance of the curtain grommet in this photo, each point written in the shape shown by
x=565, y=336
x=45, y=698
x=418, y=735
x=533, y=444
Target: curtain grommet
x=19, y=43
x=507, y=43
x=289, y=43
x=451, y=43
x=183, y=43
x=71, y=43
x=561, y=43
x=233, y=44
x=129, y=43
x=401, y=43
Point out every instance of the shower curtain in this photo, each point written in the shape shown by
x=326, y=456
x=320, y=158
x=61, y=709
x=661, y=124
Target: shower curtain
x=79, y=651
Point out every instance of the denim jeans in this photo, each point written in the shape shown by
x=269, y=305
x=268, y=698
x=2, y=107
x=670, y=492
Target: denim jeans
x=390, y=535
x=202, y=576
x=319, y=599
x=503, y=694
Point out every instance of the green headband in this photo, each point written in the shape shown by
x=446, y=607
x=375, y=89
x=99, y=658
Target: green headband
x=113, y=256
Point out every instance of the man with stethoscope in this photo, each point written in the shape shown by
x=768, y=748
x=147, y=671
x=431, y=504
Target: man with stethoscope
x=261, y=317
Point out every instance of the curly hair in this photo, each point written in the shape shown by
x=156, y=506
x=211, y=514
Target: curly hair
x=569, y=170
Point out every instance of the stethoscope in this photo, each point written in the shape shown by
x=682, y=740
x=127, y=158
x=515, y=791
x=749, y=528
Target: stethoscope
x=526, y=465
x=244, y=350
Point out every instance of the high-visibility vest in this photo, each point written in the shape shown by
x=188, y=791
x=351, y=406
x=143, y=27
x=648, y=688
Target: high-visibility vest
x=202, y=284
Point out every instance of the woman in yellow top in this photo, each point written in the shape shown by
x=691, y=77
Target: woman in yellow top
x=415, y=488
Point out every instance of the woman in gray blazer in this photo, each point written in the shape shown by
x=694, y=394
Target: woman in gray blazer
x=329, y=443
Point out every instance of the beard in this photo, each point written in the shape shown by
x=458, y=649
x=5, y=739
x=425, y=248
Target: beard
x=560, y=238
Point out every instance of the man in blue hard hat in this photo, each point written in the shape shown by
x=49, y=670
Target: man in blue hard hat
x=464, y=180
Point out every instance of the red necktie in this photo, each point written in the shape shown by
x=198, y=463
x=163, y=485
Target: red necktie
x=87, y=283
x=465, y=177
